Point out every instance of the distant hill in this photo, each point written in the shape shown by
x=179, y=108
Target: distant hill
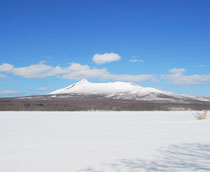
x=116, y=96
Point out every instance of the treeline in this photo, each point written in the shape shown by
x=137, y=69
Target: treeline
x=14, y=104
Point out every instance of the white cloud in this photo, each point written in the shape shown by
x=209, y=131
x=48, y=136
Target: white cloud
x=88, y=73
x=134, y=78
x=40, y=70
x=105, y=58
x=10, y=92
x=42, y=89
x=178, y=78
x=78, y=67
x=78, y=71
x=6, y=67
x=177, y=71
x=74, y=71
x=136, y=61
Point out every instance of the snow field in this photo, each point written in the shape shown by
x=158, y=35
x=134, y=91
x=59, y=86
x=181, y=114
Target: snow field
x=103, y=141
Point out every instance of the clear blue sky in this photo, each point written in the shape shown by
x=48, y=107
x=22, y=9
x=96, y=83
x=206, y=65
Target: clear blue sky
x=161, y=43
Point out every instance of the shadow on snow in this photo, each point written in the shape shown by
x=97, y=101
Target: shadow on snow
x=175, y=158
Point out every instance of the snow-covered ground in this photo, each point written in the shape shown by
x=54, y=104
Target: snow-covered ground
x=103, y=142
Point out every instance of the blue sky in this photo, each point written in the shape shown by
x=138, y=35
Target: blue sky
x=46, y=45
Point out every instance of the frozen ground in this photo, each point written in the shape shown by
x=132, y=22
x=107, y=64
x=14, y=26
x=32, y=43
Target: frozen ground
x=103, y=142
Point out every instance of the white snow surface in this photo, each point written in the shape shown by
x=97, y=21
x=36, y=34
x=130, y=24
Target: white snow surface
x=85, y=87
x=104, y=142
x=123, y=90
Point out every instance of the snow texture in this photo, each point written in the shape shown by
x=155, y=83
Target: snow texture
x=103, y=142
x=125, y=90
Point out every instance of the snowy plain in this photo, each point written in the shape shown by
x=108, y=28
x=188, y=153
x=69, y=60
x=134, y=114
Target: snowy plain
x=104, y=142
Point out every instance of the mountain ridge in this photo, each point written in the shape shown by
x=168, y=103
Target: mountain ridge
x=111, y=96
x=125, y=90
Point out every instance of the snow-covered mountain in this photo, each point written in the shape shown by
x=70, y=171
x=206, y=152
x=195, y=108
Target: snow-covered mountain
x=125, y=90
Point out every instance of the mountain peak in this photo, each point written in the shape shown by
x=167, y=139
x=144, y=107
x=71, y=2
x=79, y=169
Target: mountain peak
x=109, y=88
x=83, y=81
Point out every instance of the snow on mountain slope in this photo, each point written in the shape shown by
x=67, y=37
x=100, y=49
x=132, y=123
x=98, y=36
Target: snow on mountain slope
x=111, y=88
x=124, y=90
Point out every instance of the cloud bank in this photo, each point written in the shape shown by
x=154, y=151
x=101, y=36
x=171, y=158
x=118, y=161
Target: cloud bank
x=42, y=89
x=177, y=77
x=10, y=92
x=40, y=70
x=106, y=58
x=74, y=71
x=136, y=61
